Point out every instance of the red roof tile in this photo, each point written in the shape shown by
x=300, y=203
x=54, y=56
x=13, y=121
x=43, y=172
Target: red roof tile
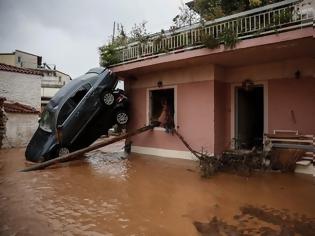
x=19, y=108
x=9, y=68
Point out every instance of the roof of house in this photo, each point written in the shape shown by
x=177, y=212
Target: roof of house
x=50, y=70
x=9, y=68
x=26, y=53
x=16, y=107
x=12, y=53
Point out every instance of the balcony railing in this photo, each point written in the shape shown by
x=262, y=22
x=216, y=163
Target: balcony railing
x=273, y=18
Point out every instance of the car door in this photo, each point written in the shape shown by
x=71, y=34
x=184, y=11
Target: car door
x=75, y=114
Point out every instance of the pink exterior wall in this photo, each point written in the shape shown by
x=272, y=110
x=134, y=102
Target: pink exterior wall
x=195, y=112
x=222, y=114
x=291, y=105
x=205, y=100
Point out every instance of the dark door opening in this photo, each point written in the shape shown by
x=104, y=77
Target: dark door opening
x=249, y=117
x=156, y=99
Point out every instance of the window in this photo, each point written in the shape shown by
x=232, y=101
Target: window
x=162, y=106
x=72, y=103
x=19, y=59
x=46, y=122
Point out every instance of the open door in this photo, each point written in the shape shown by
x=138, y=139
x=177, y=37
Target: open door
x=249, y=116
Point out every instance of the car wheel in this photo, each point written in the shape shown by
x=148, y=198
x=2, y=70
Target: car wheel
x=63, y=151
x=108, y=98
x=122, y=117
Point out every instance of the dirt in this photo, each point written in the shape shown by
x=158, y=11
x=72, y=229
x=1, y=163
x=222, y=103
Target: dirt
x=110, y=193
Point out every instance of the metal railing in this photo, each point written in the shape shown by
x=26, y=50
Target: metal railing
x=282, y=16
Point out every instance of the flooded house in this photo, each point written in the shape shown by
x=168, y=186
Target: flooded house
x=20, y=104
x=227, y=96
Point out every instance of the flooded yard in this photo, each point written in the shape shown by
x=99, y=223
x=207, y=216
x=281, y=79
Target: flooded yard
x=109, y=194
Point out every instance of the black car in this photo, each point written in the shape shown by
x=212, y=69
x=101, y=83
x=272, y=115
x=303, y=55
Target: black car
x=79, y=113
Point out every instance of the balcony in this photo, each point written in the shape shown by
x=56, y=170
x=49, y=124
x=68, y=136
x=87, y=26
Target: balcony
x=271, y=19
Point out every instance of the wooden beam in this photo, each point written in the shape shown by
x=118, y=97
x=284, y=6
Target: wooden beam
x=75, y=155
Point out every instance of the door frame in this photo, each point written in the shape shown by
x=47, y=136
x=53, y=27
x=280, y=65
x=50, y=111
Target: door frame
x=148, y=104
x=233, y=104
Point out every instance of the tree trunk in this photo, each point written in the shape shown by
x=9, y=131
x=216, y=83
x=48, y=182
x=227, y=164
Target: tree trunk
x=74, y=155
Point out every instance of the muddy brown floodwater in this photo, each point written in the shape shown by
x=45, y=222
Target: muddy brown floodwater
x=107, y=194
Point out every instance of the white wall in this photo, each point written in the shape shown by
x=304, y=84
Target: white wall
x=49, y=92
x=22, y=88
x=19, y=129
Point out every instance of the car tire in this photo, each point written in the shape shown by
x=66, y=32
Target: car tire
x=108, y=98
x=63, y=151
x=122, y=117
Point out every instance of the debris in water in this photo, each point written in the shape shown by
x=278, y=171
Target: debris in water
x=286, y=224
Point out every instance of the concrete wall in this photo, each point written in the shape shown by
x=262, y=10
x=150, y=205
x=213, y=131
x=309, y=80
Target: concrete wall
x=27, y=60
x=273, y=70
x=194, y=108
x=23, y=88
x=8, y=59
x=222, y=114
x=181, y=75
x=195, y=122
x=49, y=92
x=291, y=105
x=205, y=102
x=19, y=129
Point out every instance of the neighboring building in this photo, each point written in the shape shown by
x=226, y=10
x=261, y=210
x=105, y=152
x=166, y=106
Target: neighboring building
x=222, y=98
x=21, y=59
x=52, y=79
x=20, y=101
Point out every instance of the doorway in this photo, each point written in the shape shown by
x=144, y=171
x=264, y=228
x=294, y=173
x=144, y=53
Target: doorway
x=249, y=123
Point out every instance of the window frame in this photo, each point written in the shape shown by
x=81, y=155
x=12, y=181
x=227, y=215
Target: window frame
x=148, y=104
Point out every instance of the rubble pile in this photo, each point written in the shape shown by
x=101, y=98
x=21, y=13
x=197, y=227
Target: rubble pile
x=243, y=162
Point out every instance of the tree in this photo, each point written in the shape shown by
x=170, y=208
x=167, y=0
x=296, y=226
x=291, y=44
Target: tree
x=109, y=52
x=139, y=33
x=185, y=17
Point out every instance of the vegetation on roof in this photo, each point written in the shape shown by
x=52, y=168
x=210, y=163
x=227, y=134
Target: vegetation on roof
x=198, y=12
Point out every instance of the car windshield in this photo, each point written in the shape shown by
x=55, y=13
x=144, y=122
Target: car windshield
x=45, y=122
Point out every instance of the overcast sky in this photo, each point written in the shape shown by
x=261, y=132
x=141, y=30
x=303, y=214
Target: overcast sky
x=68, y=32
